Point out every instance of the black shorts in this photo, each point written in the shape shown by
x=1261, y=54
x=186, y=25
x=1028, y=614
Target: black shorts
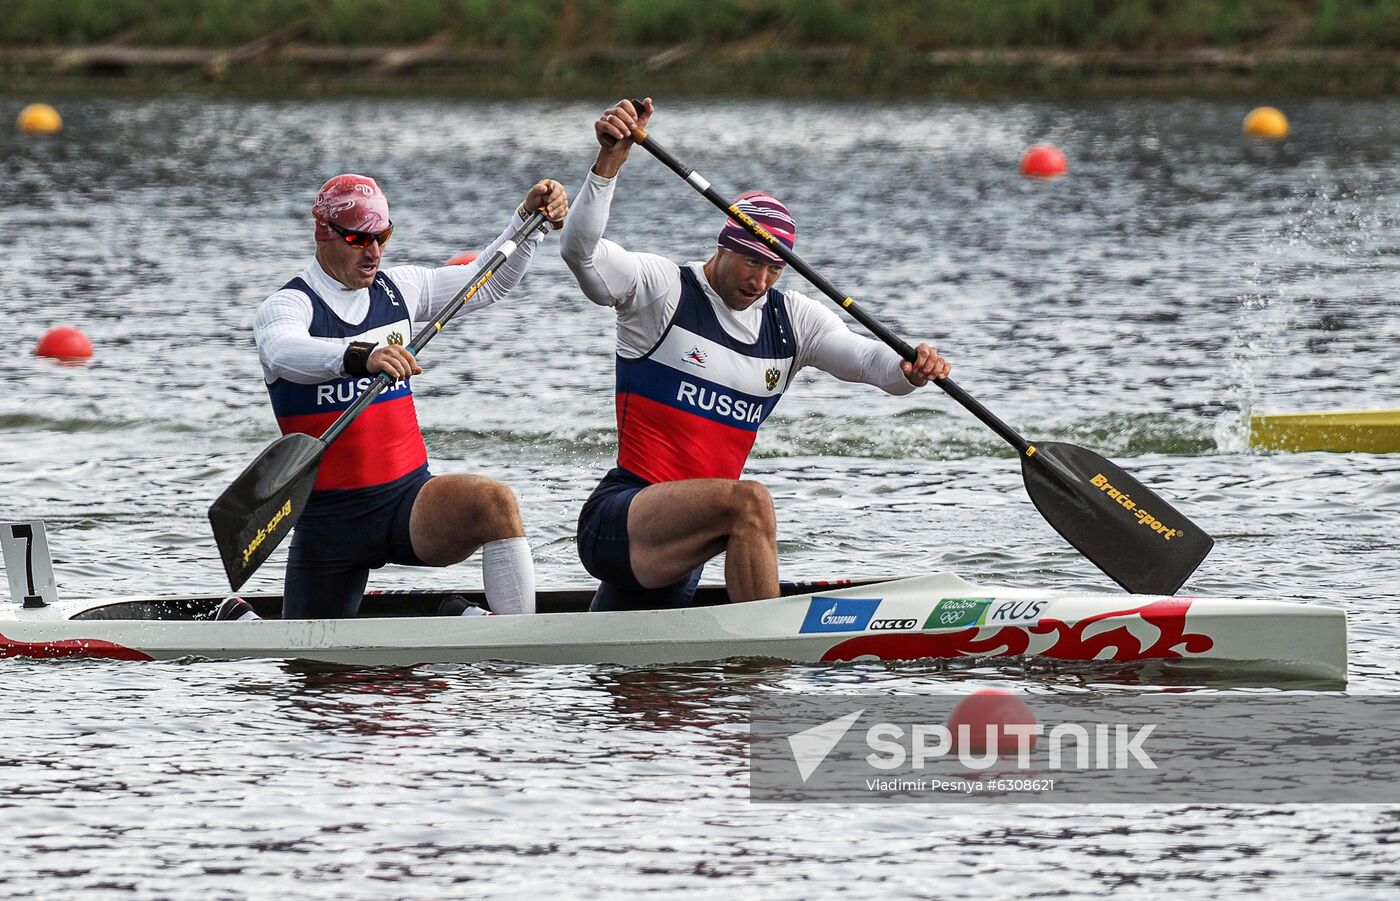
x=604, y=549
x=340, y=538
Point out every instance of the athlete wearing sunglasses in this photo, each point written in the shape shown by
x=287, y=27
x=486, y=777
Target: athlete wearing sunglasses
x=362, y=239
x=321, y=337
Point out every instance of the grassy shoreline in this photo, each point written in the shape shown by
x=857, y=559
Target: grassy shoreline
x=882, y=77
x=587, y=48
x=912, y=24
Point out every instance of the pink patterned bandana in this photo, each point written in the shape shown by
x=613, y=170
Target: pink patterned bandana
x=769, y=212
x=350, y=201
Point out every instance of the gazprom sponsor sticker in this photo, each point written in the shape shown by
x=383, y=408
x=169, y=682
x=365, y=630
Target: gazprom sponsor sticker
x=839, y=614
x=958, y=613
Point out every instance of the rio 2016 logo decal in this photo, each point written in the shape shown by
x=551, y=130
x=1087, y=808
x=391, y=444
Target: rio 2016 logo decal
x=960, y=613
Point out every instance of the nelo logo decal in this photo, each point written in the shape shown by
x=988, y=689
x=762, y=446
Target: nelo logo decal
x=892, y=625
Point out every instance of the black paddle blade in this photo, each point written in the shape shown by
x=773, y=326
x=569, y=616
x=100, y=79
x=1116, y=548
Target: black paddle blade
x=1121, y=525
x=257, y=511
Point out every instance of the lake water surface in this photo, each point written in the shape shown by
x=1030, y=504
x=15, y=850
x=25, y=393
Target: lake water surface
x=1180, y=277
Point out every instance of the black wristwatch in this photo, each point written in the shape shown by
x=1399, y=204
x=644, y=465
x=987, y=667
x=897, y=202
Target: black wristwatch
x=357, y=358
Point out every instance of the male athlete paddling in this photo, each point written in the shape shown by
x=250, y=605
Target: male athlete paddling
x=321, y=339
x=704, y=353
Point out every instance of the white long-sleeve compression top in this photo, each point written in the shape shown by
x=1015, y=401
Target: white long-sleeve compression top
x=283, y=320
x=644, y=289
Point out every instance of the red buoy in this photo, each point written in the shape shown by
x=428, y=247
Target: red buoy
x=1044, y=161
x=463, y=258
x=996, y=708
x=64, y=343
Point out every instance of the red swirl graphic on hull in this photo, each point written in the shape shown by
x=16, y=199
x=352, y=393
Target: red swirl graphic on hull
x=69, y=647
x=1167, y=616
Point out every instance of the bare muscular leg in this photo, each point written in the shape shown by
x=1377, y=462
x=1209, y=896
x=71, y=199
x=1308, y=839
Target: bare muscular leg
x=673, y=527
x=456, y=514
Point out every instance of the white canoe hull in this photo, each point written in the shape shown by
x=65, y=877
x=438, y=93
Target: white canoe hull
x=937, y=616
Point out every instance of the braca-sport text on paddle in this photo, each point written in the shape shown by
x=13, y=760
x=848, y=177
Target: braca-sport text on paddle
x=255, y=513
x=1126, y=530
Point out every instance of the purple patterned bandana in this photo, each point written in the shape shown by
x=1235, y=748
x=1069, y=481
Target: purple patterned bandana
x=769, y=212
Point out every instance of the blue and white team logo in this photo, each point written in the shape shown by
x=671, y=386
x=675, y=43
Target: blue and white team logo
x=839, y=614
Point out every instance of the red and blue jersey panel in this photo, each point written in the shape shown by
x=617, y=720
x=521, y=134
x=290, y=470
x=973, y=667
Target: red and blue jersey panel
x=691, y=408
x=384, y=443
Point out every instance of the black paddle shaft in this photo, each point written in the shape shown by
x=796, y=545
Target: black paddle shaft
x=1118, y=523
x=876, y=327
x=426, y=333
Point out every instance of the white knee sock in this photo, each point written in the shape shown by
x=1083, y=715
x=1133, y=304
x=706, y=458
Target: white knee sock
x=509, y=574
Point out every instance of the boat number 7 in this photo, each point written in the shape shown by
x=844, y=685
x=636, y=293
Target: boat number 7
x=26, y=531
x=29, y=583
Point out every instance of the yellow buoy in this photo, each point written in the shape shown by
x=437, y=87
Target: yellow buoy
x=1266, y=122
x=40, y=118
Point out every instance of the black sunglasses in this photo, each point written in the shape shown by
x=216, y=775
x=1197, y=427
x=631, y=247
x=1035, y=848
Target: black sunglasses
x=362, y=239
